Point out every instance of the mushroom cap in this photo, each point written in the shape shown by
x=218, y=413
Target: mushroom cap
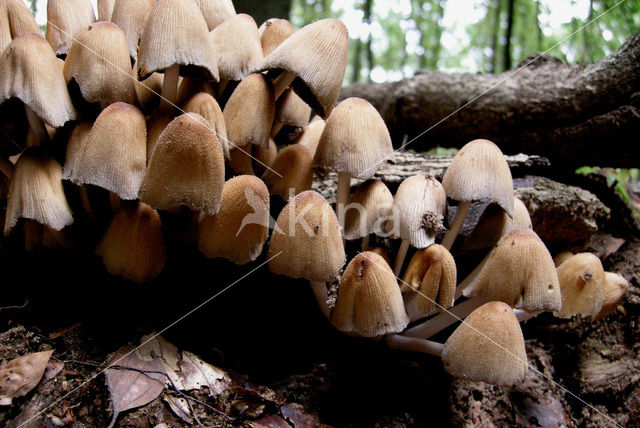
x=264, y=157
x=215, y=12
x=75, y=150
x=317, y=54
x=35, y=192
x=241, y=227
x=155, y=125
x=241, y=160
x=355, y=140
x=615, y=288
x=186, y=167
x=176, y=33
x=149, y=91
x=64, y=19
x=519, y=272
x=480, y=171
x=29, y=71
x=115, y=152
x=419, y=207
x=494, y=224
x=370, y=206
x=249, y=112
x=487, y=347
x=272, y=32
x=97, y=60
x=294, y=166
x=432, y=276
x=582, y=283
x=105, y=9
x=15, y=20
x=562, y=257
x=311, y=135
x=131, y=16
x=133, y=245
x=291, y=110
x=206, y=106
x=306, y=240
x=237, y=46
x=369, y=302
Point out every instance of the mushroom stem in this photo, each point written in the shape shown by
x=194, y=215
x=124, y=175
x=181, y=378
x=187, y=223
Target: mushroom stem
x=403, y=343
x=277, y=126
x=37, y=127
x=6, y=167
x=86, y=204
x=169, y=87
x=365, y=242
x=402, y=253
x=342, y=198
x=467, y=282
x=524, y=315
x=320, y=291
x=441, y=321
x=452, y=233
x=282, y=82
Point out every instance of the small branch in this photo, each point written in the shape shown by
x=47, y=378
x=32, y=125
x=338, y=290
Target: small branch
x=24, y=305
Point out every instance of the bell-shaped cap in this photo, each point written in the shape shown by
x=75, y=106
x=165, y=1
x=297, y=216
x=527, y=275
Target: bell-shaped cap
x=480, y=171
x=487, y=347
x=317, y=54
x=264, y=157
x=249, y=112
x=241, y=160
x=355, y=140
x=290, y=173
x=97, y=60
x=237, y=46
x=272, y=32
x=15, y=20
x=64, y=19
x=241, y=227
x=148, y=91
x=615, y=288
x=105, y=9
x=519, y=272
x=292, y=111
x=582, y=283
x=370, y=206
x=35, y=192
x=431, y=275
x=562, y=257
x=206, y=106
x=186, y=167
x=115, y=152
x=215, y=12
x=369, y=302
x=133, y=245
x=310, y=137
x=176, y=33
x=306, y=240
x=29, y=71
x=419, y=207
x=75, y=150
x=131, y=16
x=495, y=223
x=155, y=125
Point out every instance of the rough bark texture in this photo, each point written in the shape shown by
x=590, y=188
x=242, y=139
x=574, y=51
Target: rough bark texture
x=573, y=115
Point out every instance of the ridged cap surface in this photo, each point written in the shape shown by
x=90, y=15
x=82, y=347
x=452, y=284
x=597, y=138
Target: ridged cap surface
x=206, y=106
x=15, y=20
x=64, y=19
x=215, y=12
x=293, y=163
x=370, y=206
x=272, y=32
x=237, y=46
x=291, y=110
x=131, y=16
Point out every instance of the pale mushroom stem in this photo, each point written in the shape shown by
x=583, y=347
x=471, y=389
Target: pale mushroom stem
x=277, y=126
x=452, y=233
x=402, y=253
x=320, y=291
x=403, y=343
x=365, y=242
x=37, y=127
x=524, y=315
x=342, y=198
x=6, y=167
x=282, y=82
x=441, y=321
x=169, y=87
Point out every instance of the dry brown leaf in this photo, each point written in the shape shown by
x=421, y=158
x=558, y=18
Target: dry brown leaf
x=52, y=369
x=157, y=346
x=21, y=375
x=299, y=416
x=179, y=406
x=195, y=373
x=270, y=422
x=133, y=388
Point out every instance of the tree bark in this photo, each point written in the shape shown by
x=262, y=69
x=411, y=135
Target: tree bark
x=573, y=115
x=506, y=60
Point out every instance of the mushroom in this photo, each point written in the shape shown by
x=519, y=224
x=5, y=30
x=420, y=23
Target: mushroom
x=494, y=223
x=75, y=150
x=478, y=171
x=369, y=208
x=264, y=157
x=15, y=20
x=290, y=173
x=215, y=12
x=105, y=9
x=369, y=302
x=273, y=32
x=290, y=111
x=615, y=288
x=306, y=243
x=64, y=19
x=582, y=283
x=206, y=106
x=310, y=137
x=562, y=257
x=131, y=16
x=241, y=227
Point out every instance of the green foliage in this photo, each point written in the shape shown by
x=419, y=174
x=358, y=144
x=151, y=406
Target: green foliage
x=625, y=182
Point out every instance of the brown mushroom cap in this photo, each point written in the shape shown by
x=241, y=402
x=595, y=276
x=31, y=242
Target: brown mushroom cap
x=582, y=283
x=206, y=106
x=272, y=32
x=133, y=245
x=75, y=150
x=306, y=240
x=241, y=227
x=355, y=140
x=487, y=347
x=30, y=71
x=311, y=135
x=64, y=19
x=131, y=16
x=15, y=20
x=237, y=46
x=369, y=302
x=215, y=12
x=480, y=171
x=176, y=33
x=290, y=173
x=99, y=62
x=519, y=272
x=615, y=288
x=264, y=157
x=291, y=110
x=370, y=206
x=186, y=167
x=317, y=54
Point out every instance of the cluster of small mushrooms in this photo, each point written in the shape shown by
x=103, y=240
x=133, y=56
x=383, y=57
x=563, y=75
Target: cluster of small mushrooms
x=154, y=105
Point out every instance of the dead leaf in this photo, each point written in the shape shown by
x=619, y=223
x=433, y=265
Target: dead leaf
x=270, y=422
x=179, y=406
x=21, y=375
x=195, y=373
x=156, y=346
x=299, y=416
x=605, y=244
x=133, y=388
x=52, y=369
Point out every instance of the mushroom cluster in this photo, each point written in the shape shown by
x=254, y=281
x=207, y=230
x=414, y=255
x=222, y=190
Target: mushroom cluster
x=171, y=111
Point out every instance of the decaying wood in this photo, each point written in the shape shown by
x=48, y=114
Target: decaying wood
x=573, y=115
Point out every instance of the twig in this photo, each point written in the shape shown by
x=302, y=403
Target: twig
x=24, y=305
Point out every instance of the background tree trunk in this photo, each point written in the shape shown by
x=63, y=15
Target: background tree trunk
x=573, y=115
x=263, y=10
x=506, y=61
